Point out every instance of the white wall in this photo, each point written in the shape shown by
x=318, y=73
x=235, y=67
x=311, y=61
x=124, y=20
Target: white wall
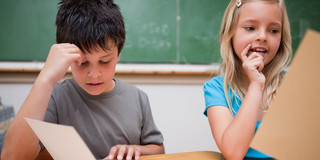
x=177, y=111
x=14, y=94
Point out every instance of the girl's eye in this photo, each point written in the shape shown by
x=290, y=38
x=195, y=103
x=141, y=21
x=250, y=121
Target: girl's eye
x=249, y=28
x=274, y=31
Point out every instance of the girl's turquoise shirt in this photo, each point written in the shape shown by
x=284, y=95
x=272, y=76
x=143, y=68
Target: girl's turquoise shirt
x=214, y=96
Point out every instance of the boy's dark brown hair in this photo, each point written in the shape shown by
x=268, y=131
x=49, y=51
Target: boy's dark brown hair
x=90, y=24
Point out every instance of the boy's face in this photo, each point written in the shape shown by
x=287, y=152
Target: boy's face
x=96, y=72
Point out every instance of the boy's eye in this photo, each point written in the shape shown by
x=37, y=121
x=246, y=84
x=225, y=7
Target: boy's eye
x=104, y=62
x=84, y=63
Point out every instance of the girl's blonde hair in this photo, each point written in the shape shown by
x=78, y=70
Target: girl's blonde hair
x=231, y=65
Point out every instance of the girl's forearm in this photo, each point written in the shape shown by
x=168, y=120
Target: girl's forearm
x=238, y=135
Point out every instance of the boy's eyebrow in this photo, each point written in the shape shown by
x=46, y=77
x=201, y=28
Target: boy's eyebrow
x=107, y=55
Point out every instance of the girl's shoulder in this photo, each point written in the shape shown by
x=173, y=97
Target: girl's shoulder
x=217, y=80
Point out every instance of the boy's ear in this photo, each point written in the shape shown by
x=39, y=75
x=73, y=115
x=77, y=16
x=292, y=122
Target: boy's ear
x=119, y=55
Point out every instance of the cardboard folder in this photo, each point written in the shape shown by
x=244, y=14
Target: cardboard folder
x=291, y=128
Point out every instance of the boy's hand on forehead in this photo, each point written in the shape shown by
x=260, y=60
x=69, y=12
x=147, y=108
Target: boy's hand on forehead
x=60, y=57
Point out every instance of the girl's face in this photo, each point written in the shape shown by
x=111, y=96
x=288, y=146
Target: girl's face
x=96, y=72
x=259, y=24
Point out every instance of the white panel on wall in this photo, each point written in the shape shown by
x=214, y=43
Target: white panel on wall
x=177, y=111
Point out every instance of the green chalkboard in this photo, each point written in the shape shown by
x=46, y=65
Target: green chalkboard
x=27, y=29
x=303, y=14
x=158, y=31
x=151, y=30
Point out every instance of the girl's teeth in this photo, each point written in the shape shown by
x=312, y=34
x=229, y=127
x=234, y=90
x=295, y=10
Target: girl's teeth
x=259, y=50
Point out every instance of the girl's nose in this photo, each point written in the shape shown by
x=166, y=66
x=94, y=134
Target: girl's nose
x=261, y=36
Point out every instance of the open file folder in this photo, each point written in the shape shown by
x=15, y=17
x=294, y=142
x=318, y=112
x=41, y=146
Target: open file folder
x=291, y=128
x=62, y=142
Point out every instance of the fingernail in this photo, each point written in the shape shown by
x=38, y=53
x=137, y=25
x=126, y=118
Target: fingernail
x=119, y=157
x=110, y=157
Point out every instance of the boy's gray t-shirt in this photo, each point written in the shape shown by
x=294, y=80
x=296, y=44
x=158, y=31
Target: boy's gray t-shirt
x=121, y=116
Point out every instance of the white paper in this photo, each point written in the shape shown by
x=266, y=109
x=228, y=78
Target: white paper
x=62, y=142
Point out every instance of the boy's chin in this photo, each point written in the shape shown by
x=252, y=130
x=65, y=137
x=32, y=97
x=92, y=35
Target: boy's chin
x=94, y=93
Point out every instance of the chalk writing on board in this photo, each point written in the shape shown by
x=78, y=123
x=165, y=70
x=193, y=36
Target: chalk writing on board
x=149, y=35
x=153, y=28
x=155, y=43
x=205, y=39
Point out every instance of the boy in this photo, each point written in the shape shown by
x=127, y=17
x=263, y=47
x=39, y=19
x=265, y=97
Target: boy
x=113, y=118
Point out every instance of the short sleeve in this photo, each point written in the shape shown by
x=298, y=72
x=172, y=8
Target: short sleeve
x=149, y=132
x=51, y=113
x=214, y=93
x=49, y=117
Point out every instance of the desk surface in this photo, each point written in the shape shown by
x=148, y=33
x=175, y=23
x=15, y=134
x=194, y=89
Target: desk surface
x=203, y=155
x=198, y=155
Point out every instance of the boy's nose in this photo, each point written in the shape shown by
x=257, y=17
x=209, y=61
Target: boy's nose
x=94, y=73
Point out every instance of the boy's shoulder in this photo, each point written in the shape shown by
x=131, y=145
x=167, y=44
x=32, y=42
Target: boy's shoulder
x=65, y=83
x=66, y=86
x=123, y=86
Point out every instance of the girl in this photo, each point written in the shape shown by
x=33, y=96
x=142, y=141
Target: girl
x=255, y=49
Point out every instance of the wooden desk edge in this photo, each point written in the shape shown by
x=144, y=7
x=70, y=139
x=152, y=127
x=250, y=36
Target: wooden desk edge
x=196, y=155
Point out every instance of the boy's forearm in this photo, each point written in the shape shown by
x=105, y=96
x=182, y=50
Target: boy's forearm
x=152, y=149
x=20, y=140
